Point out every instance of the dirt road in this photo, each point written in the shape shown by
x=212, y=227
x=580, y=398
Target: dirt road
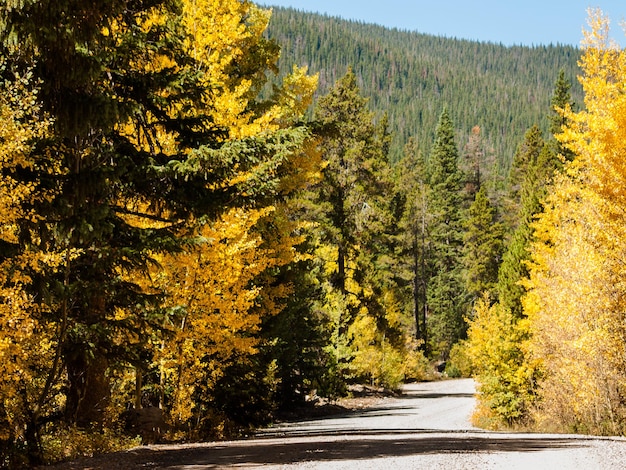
x=427, y=428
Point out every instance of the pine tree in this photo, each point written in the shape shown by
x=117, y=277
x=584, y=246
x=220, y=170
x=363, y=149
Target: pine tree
x=413, y=245
x=535, y=168
x=561, y=104
x=482, y=247
x=354, y=217
x=137, y=159
x=352, y=191
x=99, y=178
x=446, y=298
x=526, y=157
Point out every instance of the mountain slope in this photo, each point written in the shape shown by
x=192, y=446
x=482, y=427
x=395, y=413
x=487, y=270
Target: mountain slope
x=412, y=76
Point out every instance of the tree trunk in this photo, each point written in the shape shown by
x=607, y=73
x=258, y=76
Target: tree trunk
x=416, y=290
x=89, y=391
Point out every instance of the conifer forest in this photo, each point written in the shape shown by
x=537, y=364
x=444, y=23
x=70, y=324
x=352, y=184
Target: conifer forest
x=211, y=211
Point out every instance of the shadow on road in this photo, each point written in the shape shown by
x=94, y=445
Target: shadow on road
x=302, y=425
x=326, y=440
x=414, y=395
x=276, y=452
x=336, y=412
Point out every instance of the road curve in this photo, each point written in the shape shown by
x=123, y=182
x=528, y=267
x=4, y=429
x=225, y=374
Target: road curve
x=427, y=428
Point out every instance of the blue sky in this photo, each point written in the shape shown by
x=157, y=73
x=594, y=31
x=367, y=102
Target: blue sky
x=528, y=22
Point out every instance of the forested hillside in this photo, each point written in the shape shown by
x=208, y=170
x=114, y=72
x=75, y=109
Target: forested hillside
x=412, y=76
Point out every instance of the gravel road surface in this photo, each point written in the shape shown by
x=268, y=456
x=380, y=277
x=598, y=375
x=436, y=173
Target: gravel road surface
x=427, y=428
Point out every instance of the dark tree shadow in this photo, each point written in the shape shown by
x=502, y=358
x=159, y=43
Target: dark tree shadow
x=275, y=452
x=304, y=442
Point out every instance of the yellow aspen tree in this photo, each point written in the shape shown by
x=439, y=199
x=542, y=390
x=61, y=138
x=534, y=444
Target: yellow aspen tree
x=573, y=319
x=576, y=302
x=212, y=285
x=223, y=285
x=228, y=35
x=496, y=346
x=384, y=357
x=27, y=346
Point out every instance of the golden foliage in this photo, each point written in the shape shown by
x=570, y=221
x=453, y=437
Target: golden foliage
x=223, y=284
x=225, y=33
x=20, y=123
x=212, y=284
x=26, y=345
x=226, y=40
x=576, y=300
x=496, y=346
x=219, y=290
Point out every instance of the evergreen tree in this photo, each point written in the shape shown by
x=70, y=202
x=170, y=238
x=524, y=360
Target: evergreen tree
x=482, y=247
x=354, y=216
x=520, y=209
x=561, y=102
x=561, y=99
x=134, y=159
x=298, y=338
x=526, y=156
x=446, y=297
x=101, y=177
x=413, y=244
x=536, y=166
x=354, y=174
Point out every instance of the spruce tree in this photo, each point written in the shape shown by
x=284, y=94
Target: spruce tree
x=536, y=166
x=413, y=244
x=353, y=213
x=525, y=158
x=482, y=247
x=136, y=158
x=92, y=82
x=352, y=193
x=561, y=101
x=446, y=298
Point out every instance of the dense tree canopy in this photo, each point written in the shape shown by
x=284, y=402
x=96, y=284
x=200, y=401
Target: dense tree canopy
x=354, y=215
